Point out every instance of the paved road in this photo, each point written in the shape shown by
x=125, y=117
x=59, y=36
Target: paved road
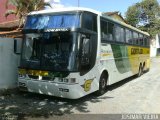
x=134, y=95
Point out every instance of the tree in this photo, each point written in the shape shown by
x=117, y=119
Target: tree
x=23, y=7
x=145, y=15
x=132, y=15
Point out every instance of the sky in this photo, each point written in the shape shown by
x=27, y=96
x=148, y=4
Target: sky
x=99, y=5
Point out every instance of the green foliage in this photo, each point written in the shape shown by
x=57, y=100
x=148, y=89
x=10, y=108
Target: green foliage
x=132, y=15
x=138, y=12
x=23, y=7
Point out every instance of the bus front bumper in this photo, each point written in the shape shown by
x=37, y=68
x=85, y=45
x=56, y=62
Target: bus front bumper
x=71, y=91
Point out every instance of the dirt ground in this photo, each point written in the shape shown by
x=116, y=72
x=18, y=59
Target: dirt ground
x=133, y=95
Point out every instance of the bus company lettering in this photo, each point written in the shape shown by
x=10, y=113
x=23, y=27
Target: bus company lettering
x=56, y=30
x=135, y=51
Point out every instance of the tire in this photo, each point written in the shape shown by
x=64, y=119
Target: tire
x=147, y=70
x=102, y=85
x=140, y=72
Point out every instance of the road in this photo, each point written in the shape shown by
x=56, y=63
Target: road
x=134, y=95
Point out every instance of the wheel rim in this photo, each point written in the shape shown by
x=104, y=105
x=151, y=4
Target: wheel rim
x=140, y=71
x=103, y=83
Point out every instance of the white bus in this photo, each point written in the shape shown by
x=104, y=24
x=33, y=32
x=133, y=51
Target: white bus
x=72, y=52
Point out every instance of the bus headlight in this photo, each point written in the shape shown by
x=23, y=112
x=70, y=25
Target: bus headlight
x=64, y=80
x=60, y=80
x=67, y=80
x=73, y=80
x=22, y=73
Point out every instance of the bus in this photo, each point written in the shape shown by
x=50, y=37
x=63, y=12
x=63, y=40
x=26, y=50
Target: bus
x=72, y=52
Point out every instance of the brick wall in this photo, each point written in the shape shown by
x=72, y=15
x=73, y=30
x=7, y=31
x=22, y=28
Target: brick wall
x=3, y=10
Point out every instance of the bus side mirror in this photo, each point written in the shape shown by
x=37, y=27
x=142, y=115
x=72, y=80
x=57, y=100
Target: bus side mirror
x=17, y=45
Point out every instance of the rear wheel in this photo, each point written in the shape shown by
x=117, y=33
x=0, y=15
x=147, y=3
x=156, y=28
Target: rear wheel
x=143, y=69
x=140, y=72
x=102, y=85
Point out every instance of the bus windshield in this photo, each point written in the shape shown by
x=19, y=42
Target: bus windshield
x=50, y=51
x=52, y=21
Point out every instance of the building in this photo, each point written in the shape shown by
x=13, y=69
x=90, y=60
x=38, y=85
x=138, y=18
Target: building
x=10, y=22
x=8, y=59
x=155, y=46
x=116, y=15
x=3, y=10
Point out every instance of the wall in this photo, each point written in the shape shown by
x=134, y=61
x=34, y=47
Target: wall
x=8, y=64
x=3, y=10
x=155, y=46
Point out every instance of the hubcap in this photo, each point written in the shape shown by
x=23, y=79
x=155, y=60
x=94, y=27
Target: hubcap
x=103, y=83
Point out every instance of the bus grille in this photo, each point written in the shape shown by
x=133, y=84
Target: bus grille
x=37, y=77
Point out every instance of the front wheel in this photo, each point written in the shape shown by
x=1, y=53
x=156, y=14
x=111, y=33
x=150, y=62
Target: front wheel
x=102, y=85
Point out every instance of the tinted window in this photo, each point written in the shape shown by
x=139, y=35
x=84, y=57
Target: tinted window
x=104, y=29
x=135, y=36
x=119, y=34
x=107, y=30
x=90, y=21
x=129, y=37
x=146, y=41
x=141, y=39
x=110, y=31
x=52, y=21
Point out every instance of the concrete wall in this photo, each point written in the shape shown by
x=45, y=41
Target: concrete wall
x=153, y=49
x=155, y=46
x=8, y=64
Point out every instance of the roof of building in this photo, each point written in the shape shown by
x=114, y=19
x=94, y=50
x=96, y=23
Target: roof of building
x=12, y=34
x=112, y=13
x=10, y=24
x=117, y=14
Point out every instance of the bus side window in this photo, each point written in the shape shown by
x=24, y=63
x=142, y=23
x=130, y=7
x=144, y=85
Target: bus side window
x=146, y=41
x=107, y=31
x=119, y=34
x=85, y=50
x=129, y=38
x=141, y=39
x=110, y=31
x=103, y=29
x=135, y=36
x=90, y=21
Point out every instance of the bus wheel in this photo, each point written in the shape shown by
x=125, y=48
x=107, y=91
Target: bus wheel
x=102, y=85
x=140, y=71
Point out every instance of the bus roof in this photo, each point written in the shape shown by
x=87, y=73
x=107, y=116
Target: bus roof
x=65, y=9
x=72, y=9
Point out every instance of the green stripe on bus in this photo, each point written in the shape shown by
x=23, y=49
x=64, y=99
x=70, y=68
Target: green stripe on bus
x=120, y=54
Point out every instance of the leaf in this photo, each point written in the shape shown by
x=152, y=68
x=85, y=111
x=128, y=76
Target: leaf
x=23, y=7
x=146, y=12
x=9, y=12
